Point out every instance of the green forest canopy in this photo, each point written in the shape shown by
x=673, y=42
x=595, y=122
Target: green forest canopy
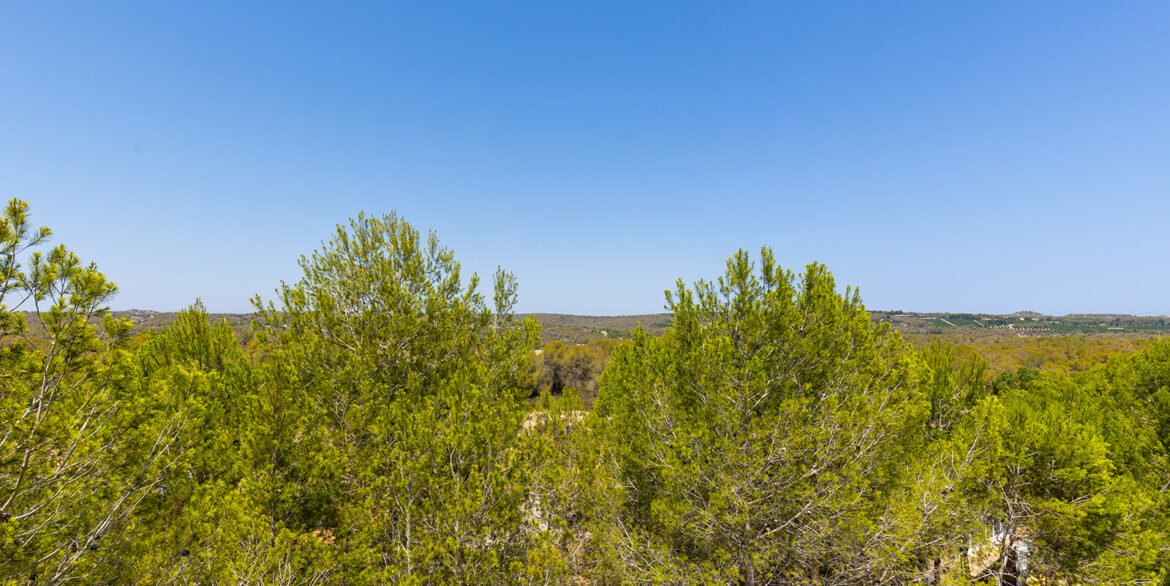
x=377, y=426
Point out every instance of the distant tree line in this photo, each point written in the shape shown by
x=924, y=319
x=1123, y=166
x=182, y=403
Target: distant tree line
x=379, y=426
x=563, y=367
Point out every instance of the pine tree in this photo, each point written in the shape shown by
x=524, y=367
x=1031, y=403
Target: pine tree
x=764, y=437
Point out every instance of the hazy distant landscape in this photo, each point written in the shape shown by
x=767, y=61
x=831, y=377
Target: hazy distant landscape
x=587, y=328
x=782, y=186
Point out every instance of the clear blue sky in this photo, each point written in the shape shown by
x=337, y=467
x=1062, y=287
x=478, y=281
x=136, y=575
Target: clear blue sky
x=960, y=156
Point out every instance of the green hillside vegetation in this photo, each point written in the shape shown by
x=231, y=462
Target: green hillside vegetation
x=385, y=420
x=579, y=347
x=1024, y=323
x=579, y=329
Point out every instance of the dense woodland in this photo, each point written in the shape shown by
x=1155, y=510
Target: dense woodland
x=385, y=421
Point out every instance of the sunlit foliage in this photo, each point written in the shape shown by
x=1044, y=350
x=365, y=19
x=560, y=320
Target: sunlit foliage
x=384, y=421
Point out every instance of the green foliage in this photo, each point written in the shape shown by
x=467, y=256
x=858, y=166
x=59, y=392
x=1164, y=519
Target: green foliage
x=77, y=454
x=409, y=387
x=378, y=425
x=574, y=366
x=763, y=437
x=1058, y=473
x=571, y=498
x=952, y=386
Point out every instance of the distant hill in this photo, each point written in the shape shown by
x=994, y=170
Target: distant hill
x=580, y=329
x=1024, y=323
x=585, y=328
x=577, y=329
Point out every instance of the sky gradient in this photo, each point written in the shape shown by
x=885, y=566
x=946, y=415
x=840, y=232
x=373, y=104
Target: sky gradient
x=958, y=156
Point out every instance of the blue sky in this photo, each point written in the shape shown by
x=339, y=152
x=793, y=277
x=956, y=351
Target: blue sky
x=942, y=156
